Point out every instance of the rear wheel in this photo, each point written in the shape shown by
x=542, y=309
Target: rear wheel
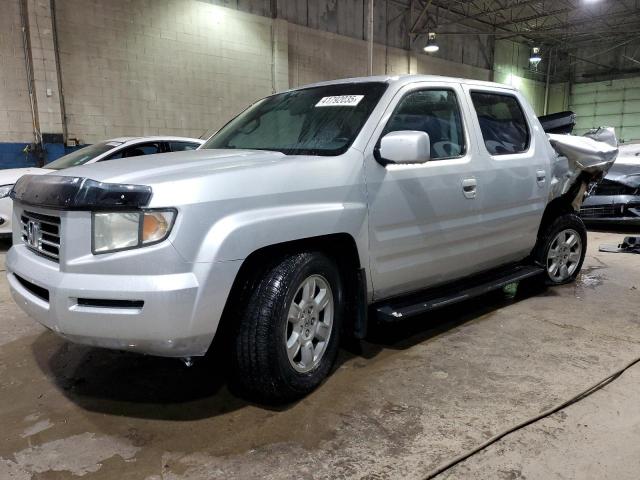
x=289, y=328
x=561, y=249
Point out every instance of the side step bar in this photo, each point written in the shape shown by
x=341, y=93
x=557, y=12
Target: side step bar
x=417, y=304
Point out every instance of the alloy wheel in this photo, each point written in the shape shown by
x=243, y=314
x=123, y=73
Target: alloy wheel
x=309, y=323
x=564, y=255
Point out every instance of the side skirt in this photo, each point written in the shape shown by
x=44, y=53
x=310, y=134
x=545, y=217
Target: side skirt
x=395, y=309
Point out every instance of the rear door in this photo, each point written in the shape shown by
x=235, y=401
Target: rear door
x=516, y=183
x=424, y=218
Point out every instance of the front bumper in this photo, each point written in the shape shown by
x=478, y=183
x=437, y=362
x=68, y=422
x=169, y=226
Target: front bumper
x=611, y=209
x=173, y=315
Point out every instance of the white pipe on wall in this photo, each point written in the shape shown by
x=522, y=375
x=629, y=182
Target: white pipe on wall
x=370, y=71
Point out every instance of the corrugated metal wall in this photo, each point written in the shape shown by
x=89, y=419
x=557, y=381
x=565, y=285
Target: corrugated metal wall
x=614, y=103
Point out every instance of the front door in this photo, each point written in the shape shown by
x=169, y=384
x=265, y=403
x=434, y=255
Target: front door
x=424, y=218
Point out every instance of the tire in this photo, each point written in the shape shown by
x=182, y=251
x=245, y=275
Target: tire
x=264, y=368
x=561, y=249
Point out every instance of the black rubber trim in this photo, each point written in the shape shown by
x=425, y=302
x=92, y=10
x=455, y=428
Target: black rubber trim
x=362, y=310
x=41, y=293
x=78, y=193
x=104, y=303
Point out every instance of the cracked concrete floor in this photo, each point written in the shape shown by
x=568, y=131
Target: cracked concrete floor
x=411, y=397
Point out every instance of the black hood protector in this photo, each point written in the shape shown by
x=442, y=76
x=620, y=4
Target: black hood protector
x=78, y=193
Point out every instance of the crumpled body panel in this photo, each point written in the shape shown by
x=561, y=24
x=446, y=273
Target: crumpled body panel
x=625, y=172
x=588, y=157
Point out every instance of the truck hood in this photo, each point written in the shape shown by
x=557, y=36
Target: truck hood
x=626, y=173
x=11, y=175
x=173, y=167
x=186, y=178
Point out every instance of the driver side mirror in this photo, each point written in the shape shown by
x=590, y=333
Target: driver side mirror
x=406, y=146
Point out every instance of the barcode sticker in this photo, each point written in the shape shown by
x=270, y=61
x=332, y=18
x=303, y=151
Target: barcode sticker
x=340, y=101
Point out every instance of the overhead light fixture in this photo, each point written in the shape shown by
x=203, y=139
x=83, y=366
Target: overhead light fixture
x=432, y=45
x=535, y=57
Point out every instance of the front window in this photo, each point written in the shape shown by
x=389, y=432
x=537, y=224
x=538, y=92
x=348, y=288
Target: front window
x=435, y=112
x=312, y=121
x=82, y=156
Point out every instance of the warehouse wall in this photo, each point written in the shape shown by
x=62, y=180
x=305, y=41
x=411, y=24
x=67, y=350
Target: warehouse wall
x=559, y=97
x=316, y=56
x=16, y=128
x=614, y=103
x=512, y=67
x=174, y=67
x=391, y=25
x=181, y=67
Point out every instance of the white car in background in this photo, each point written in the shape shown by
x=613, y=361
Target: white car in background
x=122, y=147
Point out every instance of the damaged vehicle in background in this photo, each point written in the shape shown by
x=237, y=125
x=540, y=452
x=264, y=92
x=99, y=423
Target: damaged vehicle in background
x=616, y=199
x=311, y=213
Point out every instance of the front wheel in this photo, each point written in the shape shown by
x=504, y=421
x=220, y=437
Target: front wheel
x=561, y=249
x=289, y=329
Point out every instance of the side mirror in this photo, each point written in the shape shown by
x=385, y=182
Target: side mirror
x=406, y=146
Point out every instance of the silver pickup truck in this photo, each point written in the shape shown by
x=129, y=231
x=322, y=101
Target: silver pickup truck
x=310, y=214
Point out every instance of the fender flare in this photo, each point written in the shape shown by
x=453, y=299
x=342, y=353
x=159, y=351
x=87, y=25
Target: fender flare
x=236, y=236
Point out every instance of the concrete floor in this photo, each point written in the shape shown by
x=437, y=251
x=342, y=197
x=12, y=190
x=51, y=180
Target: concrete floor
x=412, y=397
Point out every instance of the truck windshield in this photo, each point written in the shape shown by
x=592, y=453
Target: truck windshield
x=81, y=156
x=313, y=121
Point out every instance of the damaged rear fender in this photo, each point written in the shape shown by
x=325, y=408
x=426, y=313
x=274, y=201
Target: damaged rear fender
x=579, y=162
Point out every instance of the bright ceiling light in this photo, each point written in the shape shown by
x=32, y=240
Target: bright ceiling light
x=432, y=45
x=535, y=57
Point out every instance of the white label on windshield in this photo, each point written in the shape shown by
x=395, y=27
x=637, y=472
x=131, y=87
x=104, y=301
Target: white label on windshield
x=340, y=101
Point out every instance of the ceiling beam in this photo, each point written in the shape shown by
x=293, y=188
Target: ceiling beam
x=531, y=18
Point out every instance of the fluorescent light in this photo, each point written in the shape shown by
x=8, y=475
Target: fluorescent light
x=432, y=45
x=535, y=57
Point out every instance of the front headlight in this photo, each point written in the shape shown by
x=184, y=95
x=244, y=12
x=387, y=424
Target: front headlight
x=114, y=231
x=5, y=190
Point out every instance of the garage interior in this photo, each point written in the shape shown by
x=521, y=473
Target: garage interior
x=410, y=397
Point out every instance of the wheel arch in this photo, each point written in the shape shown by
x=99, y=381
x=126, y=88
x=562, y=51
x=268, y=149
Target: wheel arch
x=567, y=203
x=342, y=247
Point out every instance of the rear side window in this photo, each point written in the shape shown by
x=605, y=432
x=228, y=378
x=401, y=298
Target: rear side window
x=182, y=146
x=502, y=122
x=144, y=149
x=435, y=112
x=137, y=151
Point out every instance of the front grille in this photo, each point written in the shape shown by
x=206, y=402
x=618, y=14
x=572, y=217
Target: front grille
x=41, y=234
x=607, y=187
x=601, y=211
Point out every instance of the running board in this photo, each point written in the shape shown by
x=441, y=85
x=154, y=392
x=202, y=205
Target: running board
x=417, y=304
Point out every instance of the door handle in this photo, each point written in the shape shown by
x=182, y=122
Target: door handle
x=541, y=177
x=469, y=186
